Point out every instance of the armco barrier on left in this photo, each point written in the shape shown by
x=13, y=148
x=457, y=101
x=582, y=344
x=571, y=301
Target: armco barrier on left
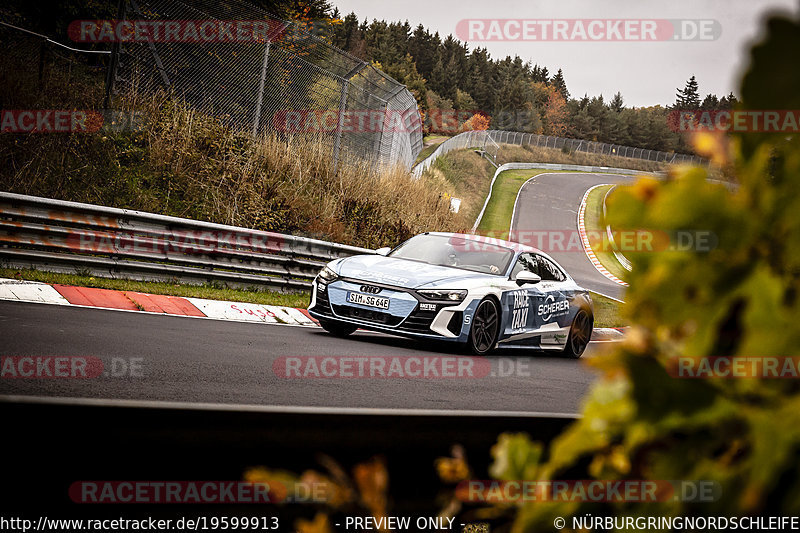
x=72, y=237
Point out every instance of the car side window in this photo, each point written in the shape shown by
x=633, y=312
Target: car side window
x=547, y=270
x=524, y=262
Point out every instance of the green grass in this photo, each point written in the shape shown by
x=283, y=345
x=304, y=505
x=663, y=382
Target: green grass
x=593, y=218
x=209, y=292
x=497, y=217
x=606, y=312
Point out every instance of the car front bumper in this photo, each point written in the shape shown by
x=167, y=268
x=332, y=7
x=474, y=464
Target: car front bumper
x=405, y=316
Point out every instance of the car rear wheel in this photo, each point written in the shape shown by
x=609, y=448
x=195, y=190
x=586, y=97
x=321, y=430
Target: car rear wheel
x=337, y=329
x=485, y=327
x=579, y=334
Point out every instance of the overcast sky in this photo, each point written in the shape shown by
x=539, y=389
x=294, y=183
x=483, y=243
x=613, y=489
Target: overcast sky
x=647, y=73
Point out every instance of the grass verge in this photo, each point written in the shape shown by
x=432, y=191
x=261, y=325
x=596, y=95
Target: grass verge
x=209, y=292
x=497, y=218
x=595, y=225
x=606, y=312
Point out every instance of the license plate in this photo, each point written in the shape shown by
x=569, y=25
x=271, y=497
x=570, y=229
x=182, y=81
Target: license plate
x=366, y=299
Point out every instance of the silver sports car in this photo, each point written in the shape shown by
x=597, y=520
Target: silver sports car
x=460, y=288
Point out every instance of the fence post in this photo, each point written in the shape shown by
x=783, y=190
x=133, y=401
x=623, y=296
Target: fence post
x=337, y=143
x=260, y=97
x=379, y=138
x=159, y=65
x=113, y=62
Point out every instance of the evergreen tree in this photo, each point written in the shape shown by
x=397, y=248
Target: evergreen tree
x=710, y=102
x=560, y=85
x=689, y=96
x=617, y=104
x=728, y=102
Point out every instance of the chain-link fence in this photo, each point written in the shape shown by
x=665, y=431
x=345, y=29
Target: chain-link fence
x=490, y=139
x=39, y=72
x=290, y=82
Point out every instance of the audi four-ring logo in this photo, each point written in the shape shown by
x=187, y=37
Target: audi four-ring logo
x=370, y=289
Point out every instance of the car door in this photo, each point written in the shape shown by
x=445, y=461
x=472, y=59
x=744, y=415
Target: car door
x=520, y=304
x=554, y=306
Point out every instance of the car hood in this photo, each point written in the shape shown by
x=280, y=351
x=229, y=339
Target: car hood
x=402, y=272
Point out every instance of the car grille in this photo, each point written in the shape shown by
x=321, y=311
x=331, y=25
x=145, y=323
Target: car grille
x=419, y=322
x=367, y=315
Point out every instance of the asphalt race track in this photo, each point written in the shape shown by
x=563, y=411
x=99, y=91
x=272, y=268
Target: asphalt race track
x=550, y=202
x=208, y=361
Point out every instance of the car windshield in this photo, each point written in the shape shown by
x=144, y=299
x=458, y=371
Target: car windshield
x=456, y=251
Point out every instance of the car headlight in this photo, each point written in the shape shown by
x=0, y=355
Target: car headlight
x=444, y=295
x=327, y=275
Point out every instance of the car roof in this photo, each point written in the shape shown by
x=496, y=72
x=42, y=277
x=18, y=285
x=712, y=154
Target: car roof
x=517, y=247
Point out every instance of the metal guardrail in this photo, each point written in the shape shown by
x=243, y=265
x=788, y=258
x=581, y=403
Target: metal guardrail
x=71, y=237
x=480, y=139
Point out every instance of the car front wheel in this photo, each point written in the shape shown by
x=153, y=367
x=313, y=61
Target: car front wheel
x=485, y=327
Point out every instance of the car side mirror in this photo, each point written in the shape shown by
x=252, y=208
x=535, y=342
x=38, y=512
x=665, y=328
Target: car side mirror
x=383, y=251
x=525, y=277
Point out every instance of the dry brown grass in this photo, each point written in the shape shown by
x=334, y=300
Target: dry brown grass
x=185, y=163
x=467, y=175
x=533, y=154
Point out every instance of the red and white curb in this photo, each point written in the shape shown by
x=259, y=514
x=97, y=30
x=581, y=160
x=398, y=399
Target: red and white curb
x=587, y=247
x=36, y=292
x=139, y=302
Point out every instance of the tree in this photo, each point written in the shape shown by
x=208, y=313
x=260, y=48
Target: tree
x=560, y=85
x=405, y=71
x=476, y=122
x=689, y=96
x=710, y=103
x=555, y=114
x=463, y=101
x=728, y=303
x=728, y=102
x=348, y=37
x=617, y=104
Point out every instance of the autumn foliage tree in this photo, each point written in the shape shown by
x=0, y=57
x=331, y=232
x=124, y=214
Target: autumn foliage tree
x=476, y=122
x=737, y=299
